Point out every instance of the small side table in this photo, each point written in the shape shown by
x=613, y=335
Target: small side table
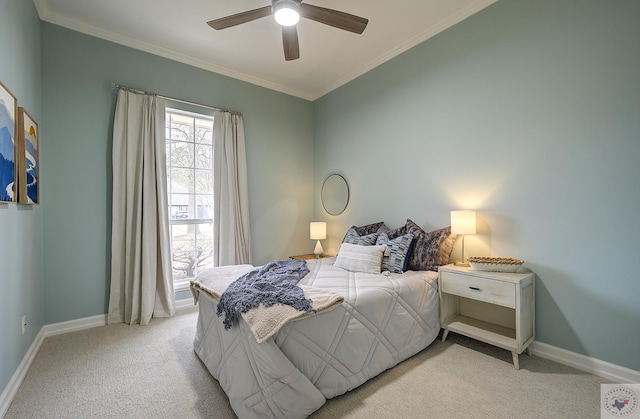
x=309, y=256
x=493, y=307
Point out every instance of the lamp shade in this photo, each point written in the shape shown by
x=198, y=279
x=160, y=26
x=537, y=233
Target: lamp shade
x=317, y=230
x=463, y=222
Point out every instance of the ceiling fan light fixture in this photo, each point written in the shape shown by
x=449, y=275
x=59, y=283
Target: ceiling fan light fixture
x=286, y=12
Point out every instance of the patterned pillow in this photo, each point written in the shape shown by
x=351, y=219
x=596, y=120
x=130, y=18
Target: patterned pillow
x=396, y=232
x=429, y=250
x=368, y=229
x=353, y=237
x=396, y=260
x=356, y=258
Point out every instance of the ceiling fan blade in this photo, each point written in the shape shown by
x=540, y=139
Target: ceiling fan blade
x=238, y=18
x=290, y=43
x=340, y=20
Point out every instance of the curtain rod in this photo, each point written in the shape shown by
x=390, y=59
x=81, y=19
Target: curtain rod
x=133, y=90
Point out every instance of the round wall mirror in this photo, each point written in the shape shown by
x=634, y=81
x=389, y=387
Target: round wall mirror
x=335, y=194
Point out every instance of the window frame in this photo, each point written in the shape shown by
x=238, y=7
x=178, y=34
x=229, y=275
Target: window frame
x=192, y=219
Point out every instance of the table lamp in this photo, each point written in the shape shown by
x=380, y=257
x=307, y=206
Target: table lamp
x=318, y=231
x=463, y=222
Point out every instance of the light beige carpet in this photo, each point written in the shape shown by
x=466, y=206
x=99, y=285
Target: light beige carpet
x=120, y=371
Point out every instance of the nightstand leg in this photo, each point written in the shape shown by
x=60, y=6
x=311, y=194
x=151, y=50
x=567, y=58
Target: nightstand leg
x=516, y=361
x=444, y=334
x=528, y=350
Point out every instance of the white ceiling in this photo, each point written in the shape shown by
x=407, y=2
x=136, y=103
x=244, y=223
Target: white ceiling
x=252, y=52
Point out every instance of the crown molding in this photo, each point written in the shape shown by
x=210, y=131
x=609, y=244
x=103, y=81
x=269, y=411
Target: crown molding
x=443, y=24
x=46, y=15
x=42, y=8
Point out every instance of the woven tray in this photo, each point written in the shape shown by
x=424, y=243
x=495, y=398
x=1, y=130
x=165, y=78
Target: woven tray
x=495, y=264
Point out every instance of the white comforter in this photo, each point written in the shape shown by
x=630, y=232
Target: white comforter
x=383, y=320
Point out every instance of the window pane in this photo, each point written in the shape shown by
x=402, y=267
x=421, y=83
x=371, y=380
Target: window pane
x=204, y=133
x=204, y=156
x=181, y=132
x=192, y=249
x=180, y=271
x=205, y=206
x=179, y=206
x=204, y=248
x=183, y=249
x=182, y=180
x=181, y=154
x=204, y=181
x=178, y=232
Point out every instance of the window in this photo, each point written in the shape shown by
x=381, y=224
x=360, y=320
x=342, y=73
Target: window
x=190, y=187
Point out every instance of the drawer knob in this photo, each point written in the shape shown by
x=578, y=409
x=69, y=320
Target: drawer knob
x=474, y=288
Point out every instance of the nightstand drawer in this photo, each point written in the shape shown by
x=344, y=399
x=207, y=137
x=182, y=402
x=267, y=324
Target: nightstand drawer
x=481, y=289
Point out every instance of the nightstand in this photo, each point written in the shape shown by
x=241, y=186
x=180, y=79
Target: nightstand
x=494, y=307
x=309, y=256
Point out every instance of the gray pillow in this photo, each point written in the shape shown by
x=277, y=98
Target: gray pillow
x=356, y=258
x=369, y=228
x=365, y=230
x=429, y=250
x=396, y=232
x=354, y=237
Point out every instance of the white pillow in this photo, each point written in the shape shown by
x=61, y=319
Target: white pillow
x=356, y=258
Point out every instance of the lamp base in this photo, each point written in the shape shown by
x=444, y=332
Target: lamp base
x=465, y=264
x=318, y=251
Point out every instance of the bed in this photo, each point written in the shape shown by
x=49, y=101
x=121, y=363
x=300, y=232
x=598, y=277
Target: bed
x=379, y=320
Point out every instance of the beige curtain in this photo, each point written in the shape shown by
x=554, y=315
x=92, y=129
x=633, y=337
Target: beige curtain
x=141, y=281
x=232, y=239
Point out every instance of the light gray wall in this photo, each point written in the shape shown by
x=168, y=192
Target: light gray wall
x=79, y=104
x=528, y=112
x=21, y=291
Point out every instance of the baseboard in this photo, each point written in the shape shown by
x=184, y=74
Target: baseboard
x=603, y=369
x=74, y=325
x=184, y=306
x=12, y=387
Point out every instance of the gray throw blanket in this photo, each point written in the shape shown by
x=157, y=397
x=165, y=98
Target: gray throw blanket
x=273, y=283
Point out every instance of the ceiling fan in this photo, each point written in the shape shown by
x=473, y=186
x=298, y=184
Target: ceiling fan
x=287, y=13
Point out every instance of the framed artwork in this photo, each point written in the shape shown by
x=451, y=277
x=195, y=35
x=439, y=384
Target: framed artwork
x=28, y=159
x=8, y=149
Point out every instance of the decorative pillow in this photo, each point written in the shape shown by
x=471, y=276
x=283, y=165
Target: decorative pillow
x=429, y=250
x=383, y=229
x=397, y=232
x=396, y=260
x=353, y=237
x=356, y=258
x=368, y=229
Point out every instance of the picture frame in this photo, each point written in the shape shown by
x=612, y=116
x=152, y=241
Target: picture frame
x=8, y=148
x=28, y=159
